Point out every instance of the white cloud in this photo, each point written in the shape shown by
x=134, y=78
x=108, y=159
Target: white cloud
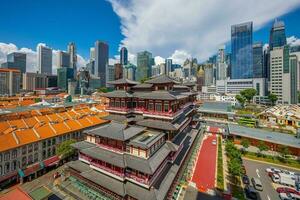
x=31, y=56
x=158, y=60
x=266, y=46
x=197, y=27
x=179, y=56
x=293, y=41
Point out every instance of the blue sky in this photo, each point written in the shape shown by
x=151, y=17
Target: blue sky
x=25, y=23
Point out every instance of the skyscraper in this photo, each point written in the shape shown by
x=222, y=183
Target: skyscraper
x=92, y=53
x=241, y=47
x=63, y=59
x=15, y=60
x=144, y=64
x=101, y=61
x=118, y=71
x=277, y=35
x=9, y=81
x=73, y=57
x=123, y=56
x=64, y=74
x=258, y=69
x=168, y=64
x=44, y=59
x=221, y=66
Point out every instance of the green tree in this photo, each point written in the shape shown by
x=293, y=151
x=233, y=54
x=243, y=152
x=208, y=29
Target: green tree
x=245, y=143
x=240, y=99
x=103, y=89
x=284, y=151
x=234, y=167
x=248, y=94
x=65, y=150
x=273, y=98
x=143, y=80
x=262, y=147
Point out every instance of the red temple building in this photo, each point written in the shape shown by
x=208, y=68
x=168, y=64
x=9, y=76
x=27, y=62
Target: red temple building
x=139, y=153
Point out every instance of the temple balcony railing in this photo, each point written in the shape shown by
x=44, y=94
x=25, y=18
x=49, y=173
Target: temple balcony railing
x=107, y=169
x=107, y=147
x=85, y=158
x=144, y=180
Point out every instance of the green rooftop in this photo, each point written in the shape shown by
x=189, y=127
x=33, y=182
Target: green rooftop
x=41, y=193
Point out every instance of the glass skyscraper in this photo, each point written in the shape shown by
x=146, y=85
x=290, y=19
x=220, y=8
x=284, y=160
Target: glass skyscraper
x=242, y=54
x=123, y=56
x=258, y=69
x=144, y=64
x=277, y=35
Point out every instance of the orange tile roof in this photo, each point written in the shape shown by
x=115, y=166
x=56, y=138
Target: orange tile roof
x=15, y=194
x=74, y=125
x=7, y=141
x=30, y=121
x=45, y=132
x=61, y=128
x=26, y=136
x=18, y=123
x=3, y=126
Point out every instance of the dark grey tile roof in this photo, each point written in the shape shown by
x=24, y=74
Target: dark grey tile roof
x=82, y=145
x=105, y=155
x=143, y=85
x=172, y=146
x=157, y=124
x=79, y=166
x=123, y=118
x=189, y=83
x=264, y=135
x=149, y=165
x=161, y=94
x=117, y=130
x=148, y=143
x=123, y=81
x=161, y=80
x=117, y=94
x=105, y=181
x=139, y=192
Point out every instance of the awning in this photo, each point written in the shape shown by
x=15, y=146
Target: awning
x=30, y=170
x=10, y=175
x=51, y=161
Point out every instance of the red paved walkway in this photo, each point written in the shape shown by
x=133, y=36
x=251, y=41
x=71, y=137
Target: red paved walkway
x=204, y=175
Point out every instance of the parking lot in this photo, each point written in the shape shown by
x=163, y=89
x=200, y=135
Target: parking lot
x=258, y=170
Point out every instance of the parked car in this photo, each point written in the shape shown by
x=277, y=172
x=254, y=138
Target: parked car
x=287, y=190
x=284, y=179
x=250, y=192
x=289, y=196
x=257, y=184
x=245, y=180
x=273, y=170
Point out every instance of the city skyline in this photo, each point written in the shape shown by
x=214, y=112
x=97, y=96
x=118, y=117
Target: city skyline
x=16, y=41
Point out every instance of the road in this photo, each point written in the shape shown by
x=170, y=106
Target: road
x=257, y=170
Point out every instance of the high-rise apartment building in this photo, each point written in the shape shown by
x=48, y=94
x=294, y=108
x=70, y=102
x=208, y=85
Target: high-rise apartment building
x=73, y=57
x=168, y=64
x=277, y=35
x=208, y=75
x=283, y=75
x=241, y=48
x=9, y=81
x=63, y=59
x=44, y=59
x=258, y=66
x=123, y=56
x=101, y=61
x=110, y=74
x=15, y=60
x=144, y=64
x=33, y=81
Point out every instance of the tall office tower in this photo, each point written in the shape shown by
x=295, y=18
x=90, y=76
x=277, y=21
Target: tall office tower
x=168, y=64
x=144, y=64
x=15, y=60
x=297, y=54
x=221, y=71
x=267, y=63
x=228, y=62
x=258, y=69
x=110, y=74
x=73, y=57
x=277, y=35
x=123, y=56
x=10, y=81
x=241, y=48
x=44, y=59
x=64, y=74
x=294, y=71
x=282, y=76
x=92, y=53
x=101, y=61
x=129, y=71
x=208, y=75
x=221, y=54
x=63, y=59
x=118, y=71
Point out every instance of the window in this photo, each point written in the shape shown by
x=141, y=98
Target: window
x=166, y=107
x=158, y=107
x=7, y=167
x=24, y=150
x=30, y=159
x=53, y=141
x=30, y=148
x=6, y=156
x=14, y=165
x=49, y=142
x=44, y=154
x=24, y=161
x=150, y=106
x=0, y=169
x=44, y=144
x=36, y=146
x=1, y=154
x=49, y=152
x=14, y=153
x=36, y=157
